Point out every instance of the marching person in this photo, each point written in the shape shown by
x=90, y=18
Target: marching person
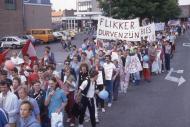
x=23, y=95
x=87, y=90
x=109, y=69
x=9, y=102
x=100, y=82
x=167, y=55
x=26, y=117
x=55, y=98
x=4, y=119
x=70, y=82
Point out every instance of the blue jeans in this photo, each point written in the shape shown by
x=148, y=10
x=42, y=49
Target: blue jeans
x=109, y=88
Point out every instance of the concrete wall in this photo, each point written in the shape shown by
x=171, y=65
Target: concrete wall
x=185, y=11
x=95, y=6
x=11, y=21
x=37, y=16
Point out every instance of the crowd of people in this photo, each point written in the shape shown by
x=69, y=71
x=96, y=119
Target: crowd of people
x=32, y=90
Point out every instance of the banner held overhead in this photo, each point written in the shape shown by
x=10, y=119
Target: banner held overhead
x=114, y=29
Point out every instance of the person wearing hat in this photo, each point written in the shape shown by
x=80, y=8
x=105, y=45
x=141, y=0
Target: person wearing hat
x=9, y=102
x=87, y=92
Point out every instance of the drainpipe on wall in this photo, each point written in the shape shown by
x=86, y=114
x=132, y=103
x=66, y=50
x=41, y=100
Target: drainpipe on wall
x=23, y=15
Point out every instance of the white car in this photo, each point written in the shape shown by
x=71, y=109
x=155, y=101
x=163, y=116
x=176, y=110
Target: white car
x=65, y=35
x=12, y=42
x=57, y=35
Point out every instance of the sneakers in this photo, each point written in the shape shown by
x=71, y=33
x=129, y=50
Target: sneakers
x=72, y=125
x=97, y=120
x=86, y=119
x=109, y=105
x=68, y=120
x=80, y=125
x=103, y=110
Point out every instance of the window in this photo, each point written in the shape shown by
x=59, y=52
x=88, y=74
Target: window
x=14, y=39
x=9, y=39
x=10, y=4
x=4, y=39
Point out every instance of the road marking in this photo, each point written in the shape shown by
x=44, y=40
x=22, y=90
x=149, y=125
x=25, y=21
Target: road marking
x=186, y=44
x=180, y=80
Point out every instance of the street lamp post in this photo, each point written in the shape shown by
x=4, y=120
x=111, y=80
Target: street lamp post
x=110, y=8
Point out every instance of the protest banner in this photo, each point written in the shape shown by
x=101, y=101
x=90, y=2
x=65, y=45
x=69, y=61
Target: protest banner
x=114, y=29
x=149, y=32
x=159, y=26
x=134, y=64
x=174, y=22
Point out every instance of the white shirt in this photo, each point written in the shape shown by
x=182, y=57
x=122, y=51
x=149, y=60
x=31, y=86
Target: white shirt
x=108, y=69
x=91, y=90
x=10, y=104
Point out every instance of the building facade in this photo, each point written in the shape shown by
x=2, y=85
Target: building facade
x=37, y=14
x=17, y=16
x=185, y=11
x=11, y=17
x=87, y=13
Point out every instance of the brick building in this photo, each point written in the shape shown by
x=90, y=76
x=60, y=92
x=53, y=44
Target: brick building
x=37, y=14
x=11, y=17
x=17, y=16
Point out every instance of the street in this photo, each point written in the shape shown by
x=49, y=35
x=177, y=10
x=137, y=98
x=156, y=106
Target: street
x=160, y=103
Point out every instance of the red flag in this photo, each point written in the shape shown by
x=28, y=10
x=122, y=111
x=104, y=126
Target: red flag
x=28, y=49
x=3, y=55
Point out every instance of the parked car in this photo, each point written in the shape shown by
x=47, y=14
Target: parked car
x=65, y=35
x=72, y=34
x=30, y=37
x=12, y=42
x=44, y=35
x=57, y=36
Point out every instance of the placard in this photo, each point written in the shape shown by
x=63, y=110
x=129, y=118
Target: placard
x=114, y=29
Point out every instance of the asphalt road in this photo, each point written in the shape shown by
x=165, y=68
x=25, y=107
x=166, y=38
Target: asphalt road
x=160, y=103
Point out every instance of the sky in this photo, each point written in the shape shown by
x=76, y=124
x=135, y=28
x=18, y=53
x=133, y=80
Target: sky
x=184, y=2
x=63, y=4
x=71, y=4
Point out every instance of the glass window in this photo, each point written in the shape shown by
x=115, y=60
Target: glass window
x=38, y=32
x=9, y=39
x=14, y=39
x=10, y=4
x=4, y=39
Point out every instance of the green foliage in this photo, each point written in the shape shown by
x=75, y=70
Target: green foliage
x=159, y=10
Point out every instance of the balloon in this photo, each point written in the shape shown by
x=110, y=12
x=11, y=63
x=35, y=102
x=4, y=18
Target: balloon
x=103, y=94
x=9, y=65
x=145, y=58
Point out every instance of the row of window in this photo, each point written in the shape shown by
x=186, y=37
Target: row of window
x=37, y=1
x=85, y=6
x=11, y=4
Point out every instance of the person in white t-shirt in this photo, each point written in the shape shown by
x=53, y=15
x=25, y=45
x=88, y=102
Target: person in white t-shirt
x=110, y=75
x=9, y=102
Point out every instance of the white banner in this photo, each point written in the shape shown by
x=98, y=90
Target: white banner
x=114, y=29
x=159, y=26
x=149, y=32
x=134, y=64
x=174, y=22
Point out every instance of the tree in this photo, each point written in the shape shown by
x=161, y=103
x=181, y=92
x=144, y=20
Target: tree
x=159, y=10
